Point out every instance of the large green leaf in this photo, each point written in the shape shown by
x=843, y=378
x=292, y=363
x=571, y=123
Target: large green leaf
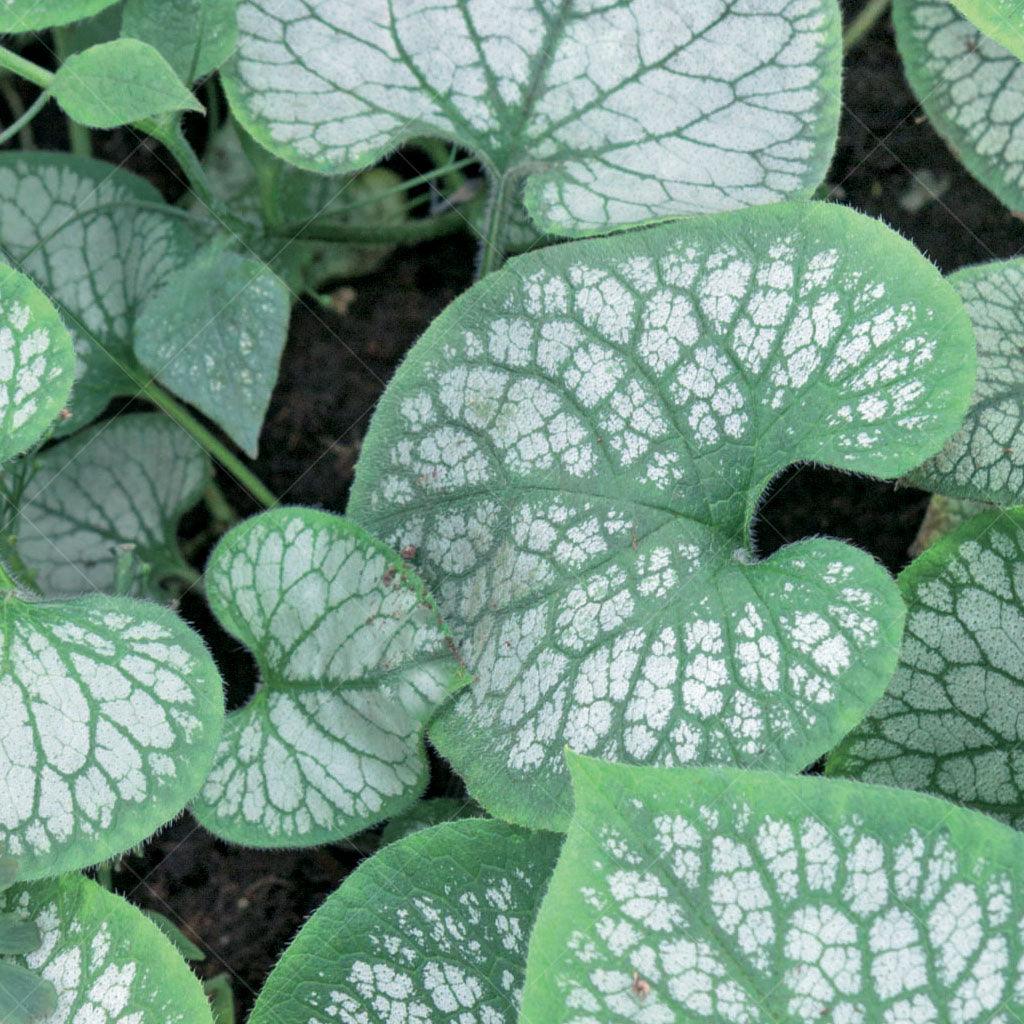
x=112, y=495
x=108, y=963
x=115, y=83
x=952, y=721
x=353, y=662
x=576, y=449
x=723, y=896
x=214, y=336
x=1003, y=20
x=972, y=90
x=985, y=459
x=432, y=929
x=194, y=36
x=112, y=713
x=33, y=15
x=615, y=113
x=94, y=238
x=37, y=363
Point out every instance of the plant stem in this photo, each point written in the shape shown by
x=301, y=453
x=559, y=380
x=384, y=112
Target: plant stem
x=78, y=134
x=208, y=440
x=20, y=126
x=409, y=233
x=219, y=507
x=25, y=68
x=864, y=23
x=492, y=243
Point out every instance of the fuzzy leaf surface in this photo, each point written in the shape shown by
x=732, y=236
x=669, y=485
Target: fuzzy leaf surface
x=1003, y=20
x=401, y=942
x=112, y=713
x=123, y=483
x=716, y=895
x=96, y=242
x=353, y=663
x=614, y=114
x=427, y=813
x=214, y=336
x=33, y=15
x=37, y=363
x=984, y=460
x=972, y=90
x=194, y=36
x=115, y=83
x=108, y=963
x=952, y=720
x=575, y=449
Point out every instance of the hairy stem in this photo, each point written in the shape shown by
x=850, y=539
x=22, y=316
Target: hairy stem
x=494, y=237
x=26, y=69
x=20, y=126
x=864, y=23
x=409, y=233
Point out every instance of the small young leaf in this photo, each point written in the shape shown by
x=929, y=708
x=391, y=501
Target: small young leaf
x=972, y=90
x=121, y=484
x=725, y=896
x=1002, y=20
x=575, y=450
x=194, y=36
x=222, y=998
x=95, y=240
x=426, y=814
x=115, y=83
x=178, y=939
x=985, y=458
x=952, y=720
x=34, y=15
x=108, y=964
x=112, y=713
x=25, y=998
x=615, y=114
x=433, y=929
x=214, y=336
x=37, y=363
x=353, y=662
x=17, y=936
x=943, y=516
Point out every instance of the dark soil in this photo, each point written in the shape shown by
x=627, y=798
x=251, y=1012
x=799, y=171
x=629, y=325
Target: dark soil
x=244, y=906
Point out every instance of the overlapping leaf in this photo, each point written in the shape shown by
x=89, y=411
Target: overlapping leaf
x=427, y=813
x=1003, y=20
x=110, y=497
x=194, y=36
x=985, y=459
x=575, y=449
x=33, y=15
x=952, y=720
x=718, y=895
x=353, y=663
x=972, y=90
x=94, y=239
x=615, y=114
x=108, y=963
x=402, y=940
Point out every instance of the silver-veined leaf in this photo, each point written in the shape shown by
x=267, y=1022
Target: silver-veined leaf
x=112, y=711
x=96, y=241
x=108, y=963
x=614, y=114
x=951, y=722
x=972, y=90
x=34, y=15
x=112, y=495
x=715, y=895
x=984, y=460
x=433, y=929
x=575, y=450
x=214, y=336
x=353, y=663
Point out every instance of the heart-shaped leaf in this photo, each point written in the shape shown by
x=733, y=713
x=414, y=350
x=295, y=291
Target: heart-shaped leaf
x=194, y=36
x=112, y=494
x=112, y=713
x=403, y=940
x=972, y=90
x=575, y=451
x=952, y=720
x=108, y=964
x=37, y=363
x=615, y=114
x=1003, y=20
x=353, y=662
x=719, y=895
x=33, y=15
x=214, y=336
x=984, y=460
x=98, y=242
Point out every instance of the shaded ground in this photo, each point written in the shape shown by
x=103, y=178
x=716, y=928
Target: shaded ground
x=244, y=906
